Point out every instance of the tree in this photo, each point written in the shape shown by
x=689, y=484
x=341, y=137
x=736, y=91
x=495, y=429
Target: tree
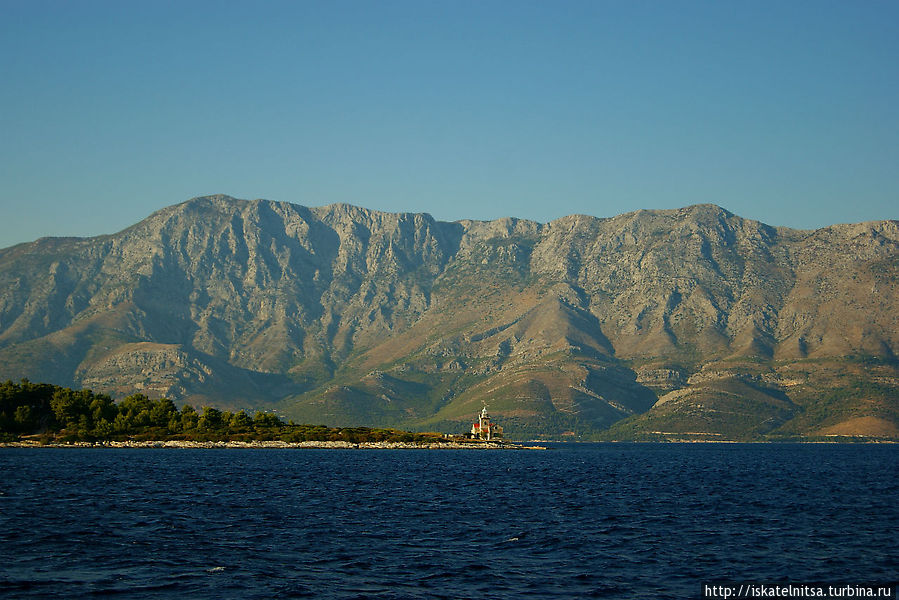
x=162, y=411
x=241, y=420
x=121, y=423
x=174, y=425
x=266, y=420
x=103, y=408
x=69, y=406
x=210, y=419
x=142, y=419
x=23, y=418
x=135, y=404
x=103, y=429
x=189, y=418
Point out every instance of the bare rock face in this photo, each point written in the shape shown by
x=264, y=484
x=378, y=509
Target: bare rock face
x=684, y=320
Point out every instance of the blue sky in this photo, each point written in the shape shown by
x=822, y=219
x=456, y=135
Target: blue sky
x=781, y=111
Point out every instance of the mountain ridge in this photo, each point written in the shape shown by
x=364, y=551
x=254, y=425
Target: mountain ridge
x=348, y=316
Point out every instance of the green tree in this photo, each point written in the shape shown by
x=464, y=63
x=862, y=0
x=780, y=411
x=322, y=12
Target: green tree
x=23, y=418
x=135, y=404
x=266, y=420
x=103, y=430
x=189, y=418
x=211, y=419
x=241, y=420
x=162, y=411
x=69, y=406
x=142, y=419
x=174, y=425
x=103, y=408
x=121, y=423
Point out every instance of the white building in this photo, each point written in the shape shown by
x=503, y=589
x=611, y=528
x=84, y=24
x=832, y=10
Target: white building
x=484, y=429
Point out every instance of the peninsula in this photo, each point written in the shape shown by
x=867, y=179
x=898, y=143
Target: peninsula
x=33, y=414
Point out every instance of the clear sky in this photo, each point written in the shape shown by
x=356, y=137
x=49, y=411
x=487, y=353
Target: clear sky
x=783, y=111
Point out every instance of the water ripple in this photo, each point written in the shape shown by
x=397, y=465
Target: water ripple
x=600, y=521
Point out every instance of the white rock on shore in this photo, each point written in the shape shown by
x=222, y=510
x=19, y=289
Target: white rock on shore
x=274, y=444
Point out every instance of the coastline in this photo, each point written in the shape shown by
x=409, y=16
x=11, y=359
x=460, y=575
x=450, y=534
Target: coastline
x=277, y=444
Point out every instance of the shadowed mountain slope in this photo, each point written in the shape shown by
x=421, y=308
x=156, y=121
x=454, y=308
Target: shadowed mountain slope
x=688, y=322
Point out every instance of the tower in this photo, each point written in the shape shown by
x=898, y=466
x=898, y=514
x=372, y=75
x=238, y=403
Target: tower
x=484, y=429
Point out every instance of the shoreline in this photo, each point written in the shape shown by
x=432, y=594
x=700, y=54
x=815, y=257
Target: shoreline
x=277, y=444
x=344, y=445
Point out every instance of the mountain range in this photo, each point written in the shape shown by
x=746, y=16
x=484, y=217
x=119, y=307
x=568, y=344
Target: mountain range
x=691, y=323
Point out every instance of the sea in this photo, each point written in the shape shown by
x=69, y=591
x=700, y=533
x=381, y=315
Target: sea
x=634, y=521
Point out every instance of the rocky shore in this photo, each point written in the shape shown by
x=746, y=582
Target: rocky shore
x=277, y=444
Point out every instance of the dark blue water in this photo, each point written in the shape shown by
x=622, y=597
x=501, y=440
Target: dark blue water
x=597, y=520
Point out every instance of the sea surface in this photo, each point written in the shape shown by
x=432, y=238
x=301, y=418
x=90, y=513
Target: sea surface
x=575, y=521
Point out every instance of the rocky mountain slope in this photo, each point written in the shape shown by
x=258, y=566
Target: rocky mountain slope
x=676, y=323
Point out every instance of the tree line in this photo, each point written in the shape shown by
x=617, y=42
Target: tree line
x=52, y=413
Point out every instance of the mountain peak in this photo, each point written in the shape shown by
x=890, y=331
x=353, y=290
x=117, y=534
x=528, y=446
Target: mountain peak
x=574, y=324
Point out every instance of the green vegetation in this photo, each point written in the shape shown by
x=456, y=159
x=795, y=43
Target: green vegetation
x=56, y=414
